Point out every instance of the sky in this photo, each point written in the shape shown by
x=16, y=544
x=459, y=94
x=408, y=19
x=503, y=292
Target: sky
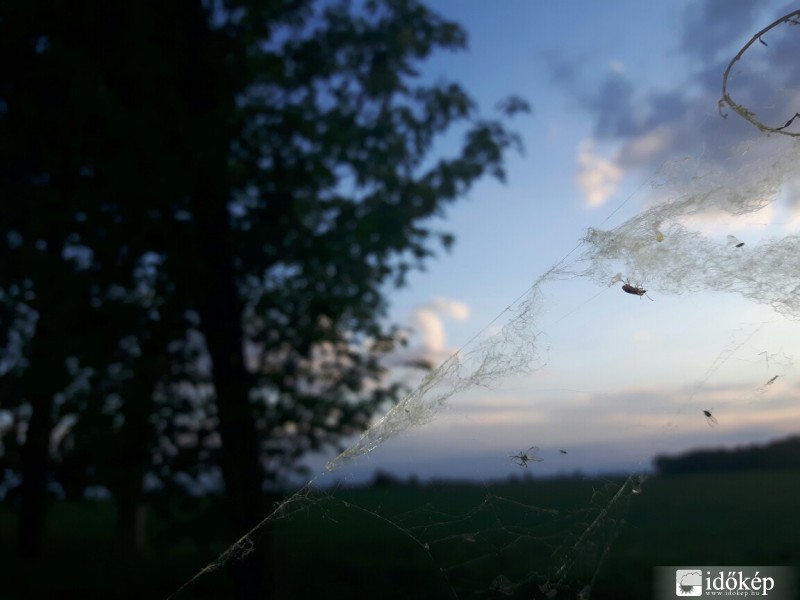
x=625, y=147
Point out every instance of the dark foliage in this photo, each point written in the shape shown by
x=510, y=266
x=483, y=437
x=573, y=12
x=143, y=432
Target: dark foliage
x=775, y=455
x=203, y=206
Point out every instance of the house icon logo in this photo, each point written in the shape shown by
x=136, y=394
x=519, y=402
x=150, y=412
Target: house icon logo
x=688, y=582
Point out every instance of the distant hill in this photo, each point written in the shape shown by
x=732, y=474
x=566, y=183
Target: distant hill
x=781, y=453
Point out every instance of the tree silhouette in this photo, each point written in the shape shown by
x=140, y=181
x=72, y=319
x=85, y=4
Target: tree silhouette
x=82, y=190
x=249, y=175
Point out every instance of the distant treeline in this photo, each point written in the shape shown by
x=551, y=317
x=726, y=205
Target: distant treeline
x=783, y=453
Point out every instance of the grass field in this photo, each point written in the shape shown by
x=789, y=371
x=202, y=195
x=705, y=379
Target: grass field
x=444, y=541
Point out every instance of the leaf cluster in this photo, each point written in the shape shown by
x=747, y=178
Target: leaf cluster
x=291, y=140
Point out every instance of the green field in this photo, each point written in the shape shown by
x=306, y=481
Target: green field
x=452, y=540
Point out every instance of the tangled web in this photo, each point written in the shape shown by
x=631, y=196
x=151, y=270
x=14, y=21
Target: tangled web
x=506, y=538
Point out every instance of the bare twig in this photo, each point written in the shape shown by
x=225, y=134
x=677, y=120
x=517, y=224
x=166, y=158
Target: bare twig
x=793, y=18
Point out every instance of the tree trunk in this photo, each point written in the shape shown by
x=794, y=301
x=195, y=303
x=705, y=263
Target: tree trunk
x=214, y=283
x=137, y=438
x=36, y=453
x=221, y=314
x=43, y=380
x=133, y=458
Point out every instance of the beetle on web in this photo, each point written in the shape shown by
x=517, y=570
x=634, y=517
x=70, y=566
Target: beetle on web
x=636, y=291
x=628, y=288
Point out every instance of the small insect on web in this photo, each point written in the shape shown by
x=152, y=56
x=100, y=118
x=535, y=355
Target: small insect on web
x=525, y=456
x=710, y=419
x=734, y=241
x=636, y=291
x=771, y=381
x=789, y=122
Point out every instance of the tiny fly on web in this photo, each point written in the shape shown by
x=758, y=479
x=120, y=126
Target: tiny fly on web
x=525, y=456
x=710, y=419
x=734, y=241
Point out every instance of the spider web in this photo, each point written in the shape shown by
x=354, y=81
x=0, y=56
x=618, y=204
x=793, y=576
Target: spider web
x=549, y=539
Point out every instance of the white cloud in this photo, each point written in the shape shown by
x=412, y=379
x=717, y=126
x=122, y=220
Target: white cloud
x=429, y=327
x=598, y=177
x=719, y=224
x=648, y=147
x=428, y=340
x=428, y=323
x=451, y=308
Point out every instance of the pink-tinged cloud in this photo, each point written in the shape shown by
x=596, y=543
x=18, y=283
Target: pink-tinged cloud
x=429, y=325
x=428, y=340
x=598, y=177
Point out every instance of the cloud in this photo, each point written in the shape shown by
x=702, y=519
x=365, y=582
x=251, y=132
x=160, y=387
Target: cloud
x=429, y=326
x=664, y=108
x=650, y=125
x=647, y=147
x=451, y=308
x=713, y=26
x=598, y=177
x=614, y=104
x=563, y=71
x=428, y=343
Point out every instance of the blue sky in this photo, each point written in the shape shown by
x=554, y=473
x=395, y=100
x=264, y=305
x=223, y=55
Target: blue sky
x=625, y=137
